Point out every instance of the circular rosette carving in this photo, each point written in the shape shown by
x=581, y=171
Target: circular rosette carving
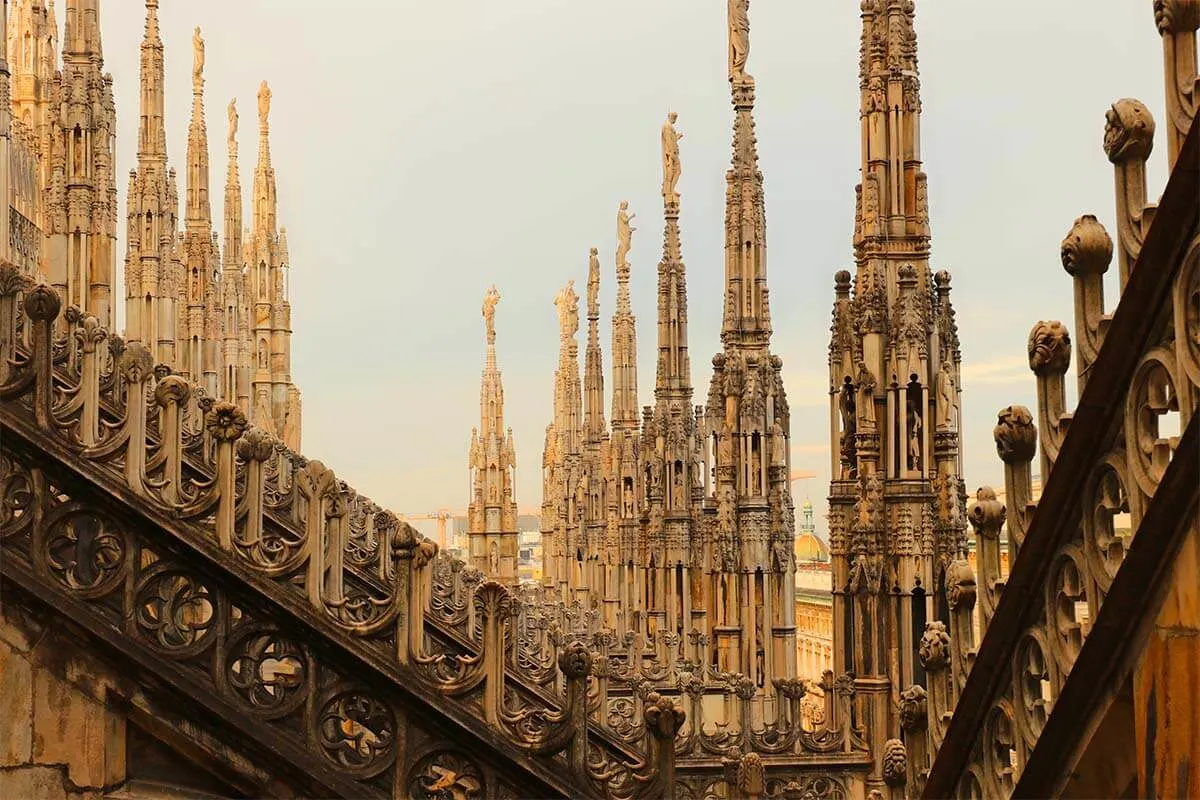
x=1087, y=249
x=1015, y=435
x=175, y=611
x=1187, y=313
x=1128, y=131
x=226, y=422
x=934, y=649
x=1152, y=397
x=83, y=551
x=1066, y=594
x=445, y=775
x=357, y=732
x=16, y=497
x=1032, y=679
x=1049, y=348
x=267, y=671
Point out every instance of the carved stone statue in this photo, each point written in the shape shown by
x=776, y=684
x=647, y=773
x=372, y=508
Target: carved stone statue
x=593, y=285
x=866, y=389
x=947, y=400
x=624, y=233
x=489, y=313
x=197, y=58
x=670, y=154
x=739, y=39
x=567, y=303
x=264, y=103
x=914, y=439
x=233, y=123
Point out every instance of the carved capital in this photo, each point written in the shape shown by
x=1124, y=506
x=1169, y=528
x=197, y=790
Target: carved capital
x=1015, y=435
x=1049, y=348
x=1176, y=16
x=136, y=363
x=226, y=422
x=1087, y=249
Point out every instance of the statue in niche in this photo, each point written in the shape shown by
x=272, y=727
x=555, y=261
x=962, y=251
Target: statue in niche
x=778, y=445
x=233, y=123
x=494, y=559
x=197, y=58
x=739, y=39
x=624, y=233
x=679, y=490
x=489, y=313
x=914, y=438
x=947, y=399
x=670, y=155
x=756, y=471
x=627, y=500
x=725, y=446
x=866, y=388
x=264, y=103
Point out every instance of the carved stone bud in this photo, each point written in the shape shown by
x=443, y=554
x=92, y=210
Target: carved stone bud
x=1049, y=348
x=895, y=763
x=172, y=389
x=136, y=363
x=941, y=279
x=841, y=281
x=161, y=371
x=73, y=314
x=90, y=333
x=1015, y=435
x=913, y=708
x=751, y=778
x=426, y=551
x=42, y=303
x=256, y=445
x=491, y=598
x=116, y=346
x=575, y=661
x=960, y=585
x=844, y=685
x=988, y=513
x=11, y=280
x=1176, y=16
x=934, y=650
x=663, y=717
x=226, y=422
x=1087, y=249
x=790, y=688
x=1128, y=131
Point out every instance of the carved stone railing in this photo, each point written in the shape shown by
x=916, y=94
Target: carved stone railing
x=1065, y=628
x=241, y=516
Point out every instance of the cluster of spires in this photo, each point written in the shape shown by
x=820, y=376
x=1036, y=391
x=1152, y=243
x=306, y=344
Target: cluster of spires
x=677, y=522
x=216, y=313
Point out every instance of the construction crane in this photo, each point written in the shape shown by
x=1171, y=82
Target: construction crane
x=442, y=515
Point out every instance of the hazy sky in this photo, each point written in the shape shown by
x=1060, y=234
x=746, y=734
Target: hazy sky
x=426, y=150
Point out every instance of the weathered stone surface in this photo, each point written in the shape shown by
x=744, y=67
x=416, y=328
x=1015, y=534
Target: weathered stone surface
x=70, y=728
x=16, y=707
x=43, y=783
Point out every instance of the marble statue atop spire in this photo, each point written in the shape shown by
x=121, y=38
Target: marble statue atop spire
x=739, y=41
x=489, y=313
x=264, y=104
x=670, y=156
x=197, y=60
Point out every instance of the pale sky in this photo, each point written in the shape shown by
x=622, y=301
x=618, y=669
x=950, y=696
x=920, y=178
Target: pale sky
x=425, y=150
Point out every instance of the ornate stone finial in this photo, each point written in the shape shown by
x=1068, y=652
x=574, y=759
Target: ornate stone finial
x=1128, y=131
x=739, y=40
x=172, y=389
x=489, y=313
x=960, y=585
x=567, y=303
x=197, y=60
x=987, y=515
x=934, y=650
x=1176, y=16
x=1087, y=249
x=663, y=717
x=670, y=155
x=256, y=445
x=1015, y=435
x=841, y=281
x=42, y=303
x=264, y=104
x=895, y=763
x=233, y=124
x=913, y=708
x=226, y=423
x=575, y=661
x=1049, y=348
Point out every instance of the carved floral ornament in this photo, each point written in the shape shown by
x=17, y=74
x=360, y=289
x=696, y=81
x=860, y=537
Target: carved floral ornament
x=1176, y=16
x=1087, y=249
x=1015, y=435
x=1128, y=131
